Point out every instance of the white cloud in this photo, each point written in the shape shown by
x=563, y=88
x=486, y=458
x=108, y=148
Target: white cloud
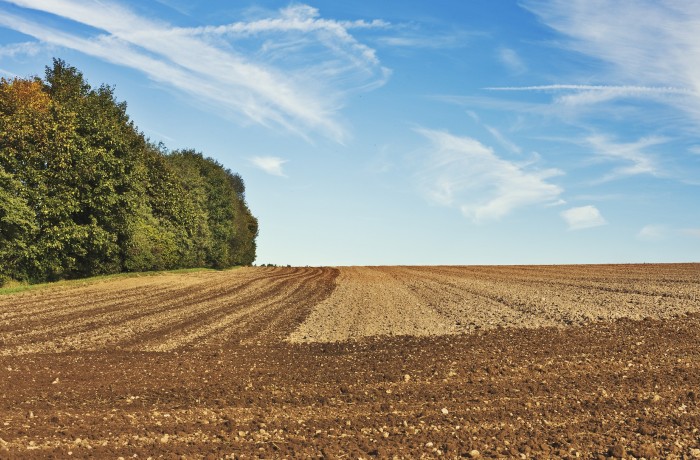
x=463, y=173
x=181, y=6
x=633, y=155
x=652, y=233
x=621, y=90
x=409, y=37
x=473, y=115
x=296, y=17
x=296, y=73
x=581, y=95
x=559, y=202
x=26, y=49
x=503, y=140
x=511, y=60
x=583, y=217
x=649, y=43
x=271, y=165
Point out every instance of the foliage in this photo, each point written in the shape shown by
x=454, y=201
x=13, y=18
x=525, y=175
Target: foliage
x=83, y=192
x=219, y=199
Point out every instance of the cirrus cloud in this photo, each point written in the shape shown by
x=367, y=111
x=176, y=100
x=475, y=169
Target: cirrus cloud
x=295, y=72
x=462, y=172
x=649, y=45
x=511, y=60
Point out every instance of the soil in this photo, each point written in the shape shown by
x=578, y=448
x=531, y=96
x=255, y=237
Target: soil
x=417, y=301
x=357, y=362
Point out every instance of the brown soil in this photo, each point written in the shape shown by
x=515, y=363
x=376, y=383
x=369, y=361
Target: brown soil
x=163, y=313
x=202, y=365
x=371, y=301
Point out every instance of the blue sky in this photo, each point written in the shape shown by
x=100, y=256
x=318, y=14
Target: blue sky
x=412, y=132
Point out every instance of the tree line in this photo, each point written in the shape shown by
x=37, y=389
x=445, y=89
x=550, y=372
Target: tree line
x=84, y=193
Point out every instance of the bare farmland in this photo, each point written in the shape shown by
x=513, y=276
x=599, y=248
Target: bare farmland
x=532, y=362
x=449, y=300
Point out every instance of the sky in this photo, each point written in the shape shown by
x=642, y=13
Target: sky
x=412, y=132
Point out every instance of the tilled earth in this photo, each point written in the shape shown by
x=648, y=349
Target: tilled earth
x=490, y=362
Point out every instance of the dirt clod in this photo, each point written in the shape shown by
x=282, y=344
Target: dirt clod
x=617, y=451
x=647, y=451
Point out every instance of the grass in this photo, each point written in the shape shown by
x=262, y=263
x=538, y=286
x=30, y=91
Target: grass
x=12, y=287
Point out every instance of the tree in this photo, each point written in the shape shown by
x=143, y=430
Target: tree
x=231, y=228
x=84, y=192
x=17, y=230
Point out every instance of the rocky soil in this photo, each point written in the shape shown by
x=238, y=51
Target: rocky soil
x=372, y=301
x=164, y=312
x=380, y=362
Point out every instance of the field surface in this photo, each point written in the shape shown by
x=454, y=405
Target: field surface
x=357, y=362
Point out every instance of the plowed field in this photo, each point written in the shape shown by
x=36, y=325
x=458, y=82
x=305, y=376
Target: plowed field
x=357, y=362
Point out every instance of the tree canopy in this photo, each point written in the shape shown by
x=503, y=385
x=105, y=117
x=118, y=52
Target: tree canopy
x=83, y=192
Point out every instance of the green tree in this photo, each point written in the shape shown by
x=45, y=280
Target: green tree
x=232, y=229
x=84, y=192
x=17, y=230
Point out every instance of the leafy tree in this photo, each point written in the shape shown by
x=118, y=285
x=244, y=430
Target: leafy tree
x=17, y=229
x=83, y=192
x=232, y=229
x=31, y=154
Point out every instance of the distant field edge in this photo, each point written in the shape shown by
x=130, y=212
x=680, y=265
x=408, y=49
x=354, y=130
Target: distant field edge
x=533, y=265
x=14, y=287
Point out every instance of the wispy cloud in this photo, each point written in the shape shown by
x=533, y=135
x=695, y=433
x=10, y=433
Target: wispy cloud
x=652, y=233
x=511, y=60
x=633, y=155
x=302, y=25
x=462, y=172
x=422, y=36
x=299, y=88
x=296, y=17
x=623, y=90
x=648, y=43
x=655, y=232
x=505, y=142
x=579, y=95
x=424, y=41
x=583, y=217
x=495, y=104
x=271, y=165
x=24, y=49
x=183, y=7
